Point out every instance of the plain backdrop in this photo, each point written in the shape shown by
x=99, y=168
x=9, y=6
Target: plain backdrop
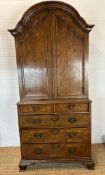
x=10, y=13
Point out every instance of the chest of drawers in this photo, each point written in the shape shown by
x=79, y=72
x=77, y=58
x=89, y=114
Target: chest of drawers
x=54, y=110
x=56, y=131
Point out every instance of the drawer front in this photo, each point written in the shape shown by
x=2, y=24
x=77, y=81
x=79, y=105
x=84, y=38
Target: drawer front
x=71, y=107
x=35, y=109
x=55, y=135
x=43, y=121
x=55, y=150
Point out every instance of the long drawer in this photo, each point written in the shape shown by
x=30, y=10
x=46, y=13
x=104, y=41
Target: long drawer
x=58, y=120
x=55, y=135
x=55, y=150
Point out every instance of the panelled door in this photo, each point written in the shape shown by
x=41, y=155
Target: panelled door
x=68, y=54
x=35, y=55
x=52, y=57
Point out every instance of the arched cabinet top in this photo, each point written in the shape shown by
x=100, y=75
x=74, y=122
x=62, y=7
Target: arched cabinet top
x=48, y=5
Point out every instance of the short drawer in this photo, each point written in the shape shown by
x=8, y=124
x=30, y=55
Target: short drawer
x=56, y=120
x=71, y=107
x=55, y=150
x=35, y=109
x=55, y=135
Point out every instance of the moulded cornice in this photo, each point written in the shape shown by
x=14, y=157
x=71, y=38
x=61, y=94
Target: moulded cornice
x=47, y=5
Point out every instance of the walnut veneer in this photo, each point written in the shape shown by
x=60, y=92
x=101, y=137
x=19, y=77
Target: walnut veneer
x=54, y=111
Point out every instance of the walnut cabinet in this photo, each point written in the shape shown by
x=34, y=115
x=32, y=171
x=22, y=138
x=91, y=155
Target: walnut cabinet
x=54, y=111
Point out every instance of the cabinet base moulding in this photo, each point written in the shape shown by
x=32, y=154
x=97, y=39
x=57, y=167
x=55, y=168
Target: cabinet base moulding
x=89, y=163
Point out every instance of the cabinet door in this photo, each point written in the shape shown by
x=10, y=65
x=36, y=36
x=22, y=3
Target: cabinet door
x=69, y=54
x=34, y=51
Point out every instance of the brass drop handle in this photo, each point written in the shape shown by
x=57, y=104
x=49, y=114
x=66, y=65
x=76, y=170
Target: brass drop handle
x=72, y=134
x=36, y=107
x=55, y=118
x=72, y=120
x=71, y=106
x=38, y=135
x=72, y=150
x=38, y=150
x=37, y=121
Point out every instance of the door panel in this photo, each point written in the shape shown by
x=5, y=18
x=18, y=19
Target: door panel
x=36, y=58
x=52, y=62
x=69, y=75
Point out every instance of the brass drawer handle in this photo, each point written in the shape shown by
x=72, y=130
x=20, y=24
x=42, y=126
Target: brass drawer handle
x=71, y=106
x=55, y=118
x=37, y=121
x=38, y=135
x=54, y=131
x=72, y=120
x=72, y=150
x=38, y=150
x=72, y=134
x=36, y=107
